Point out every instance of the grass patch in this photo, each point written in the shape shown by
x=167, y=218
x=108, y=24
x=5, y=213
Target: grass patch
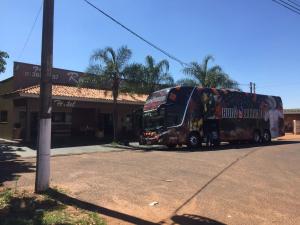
x=5, y=197
x=24, y=208
x=56, y=217
x=114, y=143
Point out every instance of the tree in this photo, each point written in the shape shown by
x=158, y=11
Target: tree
x=109, y=64
x=3, y=56
x=202, y=75
x=149, y=77
x=134, y=78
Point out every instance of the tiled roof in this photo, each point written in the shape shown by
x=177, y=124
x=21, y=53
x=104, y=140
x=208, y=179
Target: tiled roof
x=83, y=94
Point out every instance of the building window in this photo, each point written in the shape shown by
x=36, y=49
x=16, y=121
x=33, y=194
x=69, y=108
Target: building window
x=58, y=117
x=61, y=117
x=3, y=116
x=68, y=118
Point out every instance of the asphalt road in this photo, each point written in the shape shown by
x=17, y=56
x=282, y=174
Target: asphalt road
x=232, y=185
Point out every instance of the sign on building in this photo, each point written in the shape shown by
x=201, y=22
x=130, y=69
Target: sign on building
x=26, y=75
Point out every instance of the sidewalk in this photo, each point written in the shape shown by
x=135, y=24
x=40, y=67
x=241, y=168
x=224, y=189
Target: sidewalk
x=24, y=151
x=289, y=136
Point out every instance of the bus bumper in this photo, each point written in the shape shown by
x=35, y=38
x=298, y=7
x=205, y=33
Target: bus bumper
x=151, y=141
x=160, y=139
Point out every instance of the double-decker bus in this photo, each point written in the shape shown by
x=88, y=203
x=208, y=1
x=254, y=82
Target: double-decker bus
x=187, y=115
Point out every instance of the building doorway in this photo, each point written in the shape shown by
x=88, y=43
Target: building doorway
x=83, y=122
x=105, y=124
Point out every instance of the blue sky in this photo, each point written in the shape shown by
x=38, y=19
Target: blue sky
x=253, y=40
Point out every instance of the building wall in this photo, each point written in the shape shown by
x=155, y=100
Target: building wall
x=288, y=121
x=84, y=115
x=6, y=128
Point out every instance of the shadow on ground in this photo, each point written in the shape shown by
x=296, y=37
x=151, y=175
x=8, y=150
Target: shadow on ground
x=194, y=220
x=11, y=164
x=65, y=142
x=223, y=146
x=177, y=219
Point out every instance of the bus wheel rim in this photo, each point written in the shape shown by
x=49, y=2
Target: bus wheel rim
x=193, y=140
x=266, y=136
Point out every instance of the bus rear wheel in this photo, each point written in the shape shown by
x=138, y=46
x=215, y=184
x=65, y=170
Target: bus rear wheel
x=267, y=136
x=193, y=140
x=256, y=137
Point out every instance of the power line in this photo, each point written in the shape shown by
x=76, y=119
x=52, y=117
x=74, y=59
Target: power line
x=290, y=5
x=31, y=30
x=286, y=5
x=137, y=35
x=294, y=2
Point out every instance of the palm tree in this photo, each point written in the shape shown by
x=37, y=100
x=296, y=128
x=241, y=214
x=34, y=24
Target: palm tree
x=109, y=65
x=133, y=79
x=149, y=77
x=202, y=75
x=156, y=74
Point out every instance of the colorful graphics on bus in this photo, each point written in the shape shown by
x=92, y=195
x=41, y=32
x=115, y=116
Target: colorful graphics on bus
x=172, y=115
x=238, y=107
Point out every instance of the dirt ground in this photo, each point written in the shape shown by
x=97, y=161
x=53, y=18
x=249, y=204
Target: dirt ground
x=232, y=185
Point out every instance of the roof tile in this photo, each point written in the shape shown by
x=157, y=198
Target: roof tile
x=84, y=93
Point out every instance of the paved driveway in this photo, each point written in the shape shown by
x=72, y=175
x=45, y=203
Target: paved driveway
x=250, y=185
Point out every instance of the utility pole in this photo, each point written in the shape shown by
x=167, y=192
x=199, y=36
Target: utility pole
x=251, y=87
x=44, y=138
x=254, y=88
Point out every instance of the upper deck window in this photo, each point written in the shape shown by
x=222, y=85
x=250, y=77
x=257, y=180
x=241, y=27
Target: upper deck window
x=156, y=99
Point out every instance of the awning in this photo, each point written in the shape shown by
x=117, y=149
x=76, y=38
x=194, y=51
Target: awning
x=79, y=94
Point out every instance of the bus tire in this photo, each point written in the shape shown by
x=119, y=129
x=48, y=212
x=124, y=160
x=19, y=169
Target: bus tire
x=194, y=140
x=256, y=137
x=266, y=138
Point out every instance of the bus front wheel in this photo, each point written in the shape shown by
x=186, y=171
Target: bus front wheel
x=193, y=140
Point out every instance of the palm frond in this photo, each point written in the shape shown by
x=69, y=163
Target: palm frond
x=164, y=65
x=206, y=61
x=215, y=69
x=166, y=78
x=149, y=61
x=123, y=56
x=99, y=56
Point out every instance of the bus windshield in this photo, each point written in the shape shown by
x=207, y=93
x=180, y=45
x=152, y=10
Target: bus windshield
x=154, y=120
x=166, y=108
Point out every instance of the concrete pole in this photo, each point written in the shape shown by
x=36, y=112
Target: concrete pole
x=44, y=138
